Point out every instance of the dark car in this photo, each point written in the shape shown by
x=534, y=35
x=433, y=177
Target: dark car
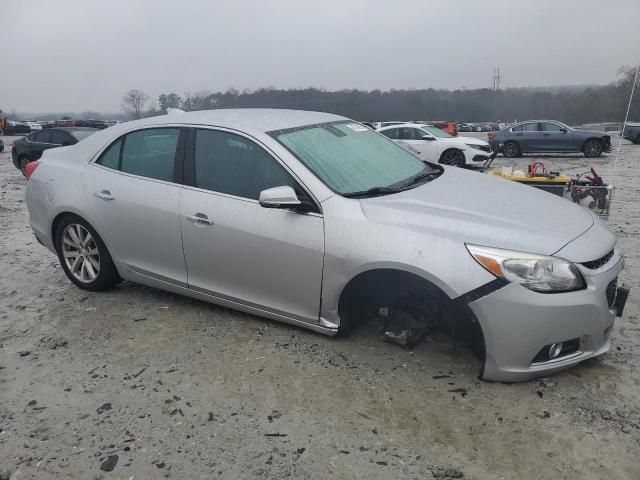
x=16, y=128
x=100, y=124
x=548, y=136
x=30, y=148
x=1, y=146
x=632, y=132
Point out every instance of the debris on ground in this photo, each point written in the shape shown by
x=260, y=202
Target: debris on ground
x=109, y=464
x=54, y=343
x=461, y=390
x=407, y=325
x=103, y=408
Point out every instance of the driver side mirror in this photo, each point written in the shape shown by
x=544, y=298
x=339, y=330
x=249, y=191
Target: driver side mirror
x=428, y=137
x=279, y=197
x=563, y=130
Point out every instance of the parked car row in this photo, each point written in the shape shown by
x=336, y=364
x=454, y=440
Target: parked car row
x=16, y=128
x=481, y=127
x=28, y=126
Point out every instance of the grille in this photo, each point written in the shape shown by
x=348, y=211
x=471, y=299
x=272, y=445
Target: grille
x=593, y=264
x=611, y=291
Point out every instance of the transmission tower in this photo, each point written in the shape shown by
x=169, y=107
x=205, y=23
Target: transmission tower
x=496, y=79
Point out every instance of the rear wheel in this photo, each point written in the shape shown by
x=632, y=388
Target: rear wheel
x=453, y=157
x=637, y=140
x=83, y=255
x=592, y=148
x=511, y=150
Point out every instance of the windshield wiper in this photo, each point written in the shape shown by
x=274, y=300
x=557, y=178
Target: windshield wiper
x=372, y=192
x=418, y=178
x=397, y=187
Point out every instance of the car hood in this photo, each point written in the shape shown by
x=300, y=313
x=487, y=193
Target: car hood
x=476, y=208
x=590, y=133
x=465, y=140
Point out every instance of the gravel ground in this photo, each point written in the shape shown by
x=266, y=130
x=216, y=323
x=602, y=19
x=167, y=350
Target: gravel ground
x=151, y=385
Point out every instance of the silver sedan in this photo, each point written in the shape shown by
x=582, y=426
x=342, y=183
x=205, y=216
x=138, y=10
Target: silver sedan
x=315, y=220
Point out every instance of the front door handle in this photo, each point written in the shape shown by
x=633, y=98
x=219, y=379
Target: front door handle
x=104, y=195
x=545, y=134
x=200, y=219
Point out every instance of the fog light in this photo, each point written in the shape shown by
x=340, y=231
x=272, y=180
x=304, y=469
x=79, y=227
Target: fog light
x=555, y=349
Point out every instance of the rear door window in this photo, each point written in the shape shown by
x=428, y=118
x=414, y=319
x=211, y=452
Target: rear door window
x=551, y=127
x=111, y=157
x=44, y=136
x=60, y=138
x=150, y=153
x=393, y=133
x=530, y=127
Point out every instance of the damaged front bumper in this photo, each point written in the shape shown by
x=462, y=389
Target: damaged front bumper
x=520, y=327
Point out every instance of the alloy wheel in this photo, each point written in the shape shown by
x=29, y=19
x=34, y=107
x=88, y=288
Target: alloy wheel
x=80, y=253
x=592, y=148
x=510, y=150
x=453, y=157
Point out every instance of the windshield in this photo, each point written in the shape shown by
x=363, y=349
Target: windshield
x=349, y=157
x=436, y=132
x=80, y=134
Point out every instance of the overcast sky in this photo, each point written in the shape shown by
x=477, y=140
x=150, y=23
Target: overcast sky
x=78, y=55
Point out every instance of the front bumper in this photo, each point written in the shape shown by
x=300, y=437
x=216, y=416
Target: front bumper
x=518, y=323
x=474, y=155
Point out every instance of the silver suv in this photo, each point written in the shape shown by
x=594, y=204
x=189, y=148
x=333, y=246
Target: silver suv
x=315, y=220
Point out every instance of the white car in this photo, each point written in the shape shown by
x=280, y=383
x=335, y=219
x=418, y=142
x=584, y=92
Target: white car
x=435, y=145
x=33, y=125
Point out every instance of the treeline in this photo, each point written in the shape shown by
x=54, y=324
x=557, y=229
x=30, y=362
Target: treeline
x=571, y=105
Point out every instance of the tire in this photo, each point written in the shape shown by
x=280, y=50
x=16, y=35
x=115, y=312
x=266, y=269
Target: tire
x=453, y=157
x=511, y=150
x=22, y=163
x=637, y=140
x=91, y=268
x=592, y=148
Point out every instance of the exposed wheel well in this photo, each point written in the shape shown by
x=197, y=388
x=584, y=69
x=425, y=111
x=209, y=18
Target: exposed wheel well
x=54, y=227
x=372, y=290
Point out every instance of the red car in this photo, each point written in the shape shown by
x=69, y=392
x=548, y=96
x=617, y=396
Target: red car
x=450, y=127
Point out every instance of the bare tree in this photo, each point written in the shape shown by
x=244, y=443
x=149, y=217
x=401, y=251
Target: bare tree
x=133, y=102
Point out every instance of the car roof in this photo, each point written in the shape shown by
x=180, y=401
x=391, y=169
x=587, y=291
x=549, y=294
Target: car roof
x=247, y=119
x=72, y=129
x=257, y=122
x=402, y=125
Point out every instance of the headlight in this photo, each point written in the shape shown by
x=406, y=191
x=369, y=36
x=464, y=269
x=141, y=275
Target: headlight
x=477, y=147
x=535, y=272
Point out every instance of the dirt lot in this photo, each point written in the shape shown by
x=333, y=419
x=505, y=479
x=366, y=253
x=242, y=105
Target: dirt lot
x=179, y=388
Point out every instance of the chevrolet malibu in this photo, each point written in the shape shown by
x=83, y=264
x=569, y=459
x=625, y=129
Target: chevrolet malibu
x=315, y=220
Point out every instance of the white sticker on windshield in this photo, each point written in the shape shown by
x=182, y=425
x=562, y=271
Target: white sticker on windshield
x=357, y=128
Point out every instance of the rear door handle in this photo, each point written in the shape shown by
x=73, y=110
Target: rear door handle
x=545, y=134
x=200, y=219
x=104, y=195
